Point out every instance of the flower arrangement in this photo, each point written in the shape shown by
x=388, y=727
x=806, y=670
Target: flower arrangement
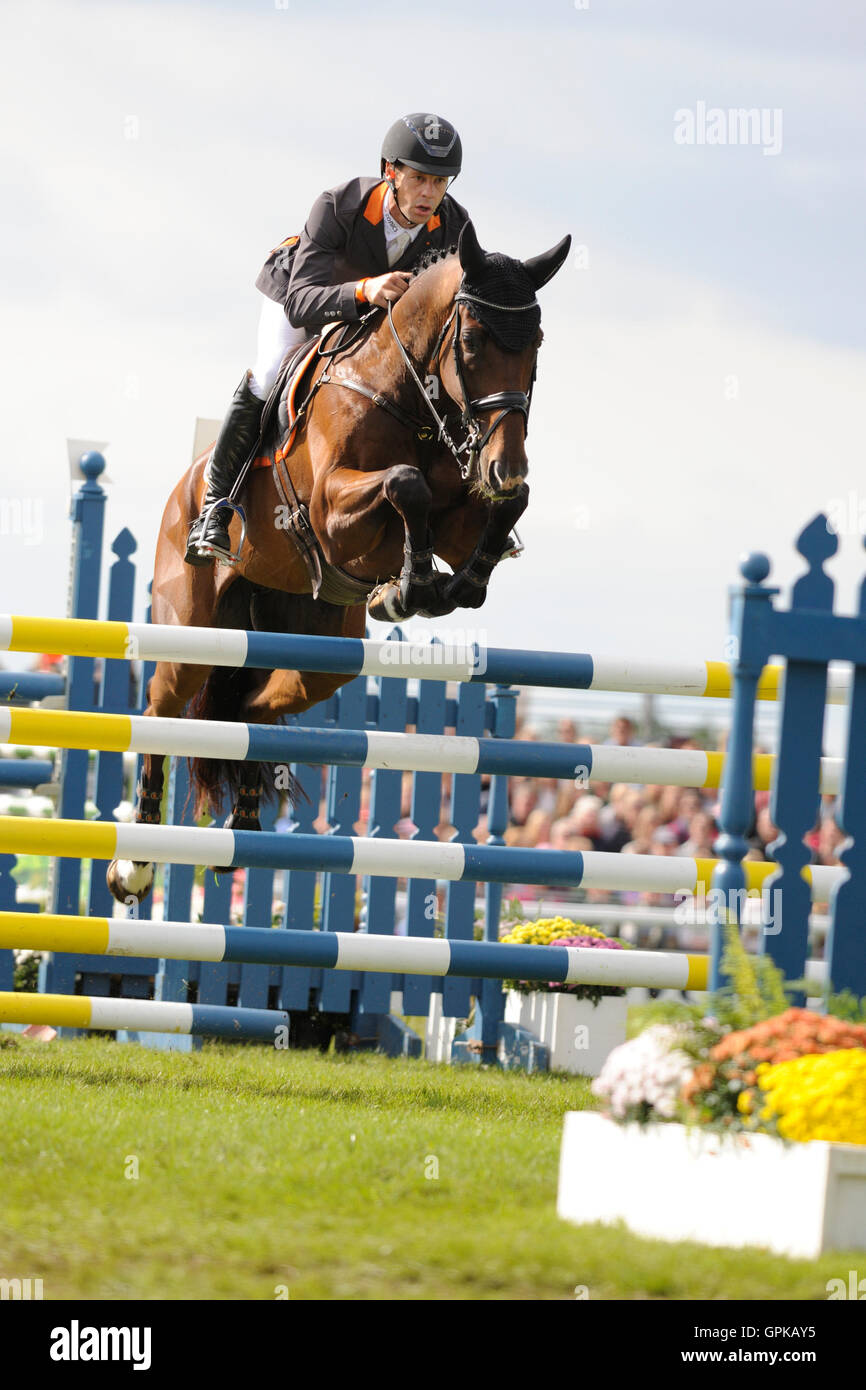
x=727, y=1104
x=790, y=1072
x=561, y=931
x=547, y=930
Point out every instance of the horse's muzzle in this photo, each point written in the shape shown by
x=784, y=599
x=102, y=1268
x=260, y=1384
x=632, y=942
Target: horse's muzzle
x=501, y=485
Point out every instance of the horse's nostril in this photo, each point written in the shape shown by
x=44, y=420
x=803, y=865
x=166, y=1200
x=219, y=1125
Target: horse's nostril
x=502, y=477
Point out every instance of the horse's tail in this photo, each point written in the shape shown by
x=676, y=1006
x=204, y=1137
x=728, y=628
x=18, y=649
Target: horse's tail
x=213, y=781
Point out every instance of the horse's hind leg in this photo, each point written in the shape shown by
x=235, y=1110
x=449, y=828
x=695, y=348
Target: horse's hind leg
x=169, y=690
x=245, y=811
x=130, y=879
x=287, y=692
x=247, y=781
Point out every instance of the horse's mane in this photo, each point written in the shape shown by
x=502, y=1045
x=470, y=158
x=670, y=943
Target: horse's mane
x=432, y=257
x=503, y=280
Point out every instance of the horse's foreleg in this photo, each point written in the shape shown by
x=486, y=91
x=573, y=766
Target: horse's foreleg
x=354, y=515
x=418, y=588
x=408, y=492
x=467, y=587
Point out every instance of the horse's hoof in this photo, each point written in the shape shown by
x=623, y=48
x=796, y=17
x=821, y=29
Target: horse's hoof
x=127, y=879
x=385, y=605
x=437, y=610
x=460, y=594
x=437, y=604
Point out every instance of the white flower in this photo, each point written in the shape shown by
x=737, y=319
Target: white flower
x=650, y=1069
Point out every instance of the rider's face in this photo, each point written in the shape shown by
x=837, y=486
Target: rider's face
x=419, y=195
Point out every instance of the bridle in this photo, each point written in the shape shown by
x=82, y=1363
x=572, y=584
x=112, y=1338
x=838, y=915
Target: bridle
x=503, y=401
x=476, y=436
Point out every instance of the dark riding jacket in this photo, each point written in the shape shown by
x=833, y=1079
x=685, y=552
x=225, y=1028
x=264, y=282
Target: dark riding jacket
x=316, y=276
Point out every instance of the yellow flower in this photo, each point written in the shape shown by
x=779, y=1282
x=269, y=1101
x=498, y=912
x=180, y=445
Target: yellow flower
x=818, y=1096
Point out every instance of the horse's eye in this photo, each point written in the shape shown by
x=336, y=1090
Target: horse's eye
x=470, y=340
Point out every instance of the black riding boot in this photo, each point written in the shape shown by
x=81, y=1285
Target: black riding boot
x=237, y=438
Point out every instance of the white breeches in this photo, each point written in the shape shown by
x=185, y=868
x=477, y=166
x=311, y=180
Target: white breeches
x=276, y=337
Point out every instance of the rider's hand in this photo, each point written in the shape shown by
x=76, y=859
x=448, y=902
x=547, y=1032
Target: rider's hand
x=386, y=288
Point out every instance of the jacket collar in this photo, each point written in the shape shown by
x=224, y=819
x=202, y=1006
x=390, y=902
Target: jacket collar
x=374, y=208
x=370, y=229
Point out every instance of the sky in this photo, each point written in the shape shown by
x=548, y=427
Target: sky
x=701, y=385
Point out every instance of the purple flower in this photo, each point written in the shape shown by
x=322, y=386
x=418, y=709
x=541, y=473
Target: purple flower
x=605, y=943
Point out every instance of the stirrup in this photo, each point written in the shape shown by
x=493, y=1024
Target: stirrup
x=209, y=551
x=514, y=548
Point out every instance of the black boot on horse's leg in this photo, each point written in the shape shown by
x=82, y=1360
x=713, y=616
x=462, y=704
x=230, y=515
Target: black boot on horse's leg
x=235, y=443
x=245, y=811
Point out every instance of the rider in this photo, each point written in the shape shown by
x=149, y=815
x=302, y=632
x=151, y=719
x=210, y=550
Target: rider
x=360, y=241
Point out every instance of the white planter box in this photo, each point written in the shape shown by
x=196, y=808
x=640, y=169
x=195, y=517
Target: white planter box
x=578, y=1035
x=675, y=1183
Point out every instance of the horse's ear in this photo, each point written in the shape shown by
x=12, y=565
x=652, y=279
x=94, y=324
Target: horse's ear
x=469, y=252
x=542, y=268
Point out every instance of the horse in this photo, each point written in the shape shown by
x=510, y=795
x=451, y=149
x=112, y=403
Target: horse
x=466, y=332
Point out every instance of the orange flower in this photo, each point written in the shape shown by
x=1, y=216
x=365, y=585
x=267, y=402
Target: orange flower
x=700, y=1079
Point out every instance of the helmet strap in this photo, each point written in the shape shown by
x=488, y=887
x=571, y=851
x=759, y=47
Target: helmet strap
x=393, y=187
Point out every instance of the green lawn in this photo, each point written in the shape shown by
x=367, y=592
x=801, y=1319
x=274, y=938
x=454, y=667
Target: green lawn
x=259, y=1169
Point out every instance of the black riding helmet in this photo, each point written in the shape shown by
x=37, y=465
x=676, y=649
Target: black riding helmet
x=427, y=143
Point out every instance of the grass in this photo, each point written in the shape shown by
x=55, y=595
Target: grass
x=241, y=1173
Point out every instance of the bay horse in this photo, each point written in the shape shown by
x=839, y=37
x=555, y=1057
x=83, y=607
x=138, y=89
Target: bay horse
x=378, y=486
